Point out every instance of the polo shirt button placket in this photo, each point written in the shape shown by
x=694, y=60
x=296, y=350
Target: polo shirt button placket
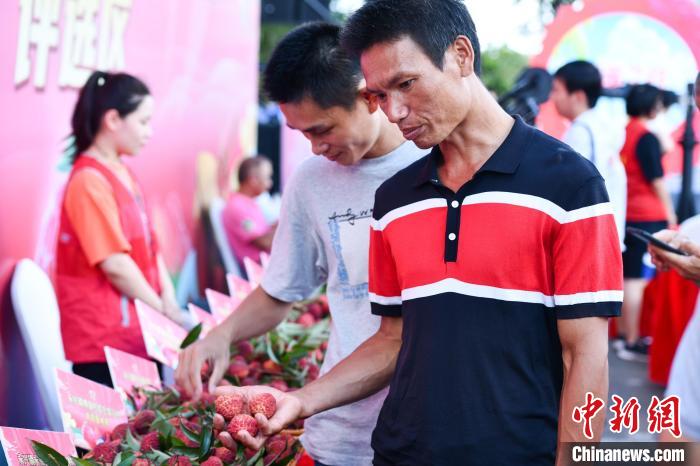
x=452, y=229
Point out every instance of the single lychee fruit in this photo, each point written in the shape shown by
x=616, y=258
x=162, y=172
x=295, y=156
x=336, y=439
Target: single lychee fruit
x=229, y=405
x=280, y=385
x=142, y=462
x=272, y=367
x=105, y=452
x=212, y=461
x=245, y=349
x=204, y=371
x=263, y=403
x=149, y=442
x=119, y=432
x=179, y=460
x=306, y=320
x=315, y=309
x=226, y=455
x=238, y=369
x=243, y=422
x=142, y=421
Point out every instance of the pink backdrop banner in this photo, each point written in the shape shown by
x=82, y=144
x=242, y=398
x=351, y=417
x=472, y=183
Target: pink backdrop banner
x=161, y=335
x=16, y=444
x=89, y=410
x=198, y=57
x=129, y=371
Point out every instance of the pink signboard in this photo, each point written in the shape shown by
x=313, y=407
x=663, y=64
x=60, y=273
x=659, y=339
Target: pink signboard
x=129, y=371
x=161, y=335
x=203, y=317
x=17, y=446
x=254, y=271
x=221, y=305
x=238, y=287
x=89, y=410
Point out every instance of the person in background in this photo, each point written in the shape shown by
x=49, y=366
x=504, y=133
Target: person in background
x=575, y=92
x=684, y=380
x=107, y=254
x=660, y=125
x=648, y=207
x=248, y=232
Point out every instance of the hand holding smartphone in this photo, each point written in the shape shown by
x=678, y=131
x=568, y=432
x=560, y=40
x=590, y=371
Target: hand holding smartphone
x=648, y=238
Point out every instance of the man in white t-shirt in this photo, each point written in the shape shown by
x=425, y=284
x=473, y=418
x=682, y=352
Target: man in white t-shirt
x=575, y=92
x=323, y=231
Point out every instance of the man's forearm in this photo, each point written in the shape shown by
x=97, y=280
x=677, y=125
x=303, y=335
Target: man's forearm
x=366, y=371
x=584, y=374
x=257, y=314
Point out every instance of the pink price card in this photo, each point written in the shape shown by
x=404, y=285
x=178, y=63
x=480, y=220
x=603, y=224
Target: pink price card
x=203, y=317
x=161, y=335
x=238, y=287
x=89, y=410
x=220, y=304
x=254, y=271
x=129, y=371
x=16, y=443
x=264, y=260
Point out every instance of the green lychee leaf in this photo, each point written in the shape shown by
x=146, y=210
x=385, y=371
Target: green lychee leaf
x=125, y=460
x=205, y=441
x=190, y=434
x=192, y=336
x=48, y=455
x=131, y=442
x=82, y=461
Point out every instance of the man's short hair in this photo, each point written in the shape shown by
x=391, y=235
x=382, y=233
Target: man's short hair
x=583, y=76
x=432, y=24
x=642, y=100
x=309, y=62
x=249, y=165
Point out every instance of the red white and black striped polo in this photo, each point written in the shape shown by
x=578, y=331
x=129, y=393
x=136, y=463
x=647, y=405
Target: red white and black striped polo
x=480, y=278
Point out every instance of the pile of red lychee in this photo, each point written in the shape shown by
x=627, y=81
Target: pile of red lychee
x=239, y=412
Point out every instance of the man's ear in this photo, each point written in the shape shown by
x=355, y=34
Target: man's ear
x=111, y=119
x=370, y=100
x=464, y=54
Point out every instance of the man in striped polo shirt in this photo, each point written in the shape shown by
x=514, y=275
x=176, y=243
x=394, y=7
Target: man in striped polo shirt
x=494, y=264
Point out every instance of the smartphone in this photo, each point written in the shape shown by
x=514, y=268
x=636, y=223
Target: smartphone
x=648, y=238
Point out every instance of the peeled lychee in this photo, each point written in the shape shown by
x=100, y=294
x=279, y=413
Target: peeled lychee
x=263, y=403
x=229, y=405
x=243, y=422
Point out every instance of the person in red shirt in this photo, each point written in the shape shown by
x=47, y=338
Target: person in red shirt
x=648, y=207
x=107, y=255
x=247, y=230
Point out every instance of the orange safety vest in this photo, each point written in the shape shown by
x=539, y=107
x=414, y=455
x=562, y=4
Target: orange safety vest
x=94, y=314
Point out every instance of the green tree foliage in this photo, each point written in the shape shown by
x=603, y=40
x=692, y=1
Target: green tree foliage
x=500, y=67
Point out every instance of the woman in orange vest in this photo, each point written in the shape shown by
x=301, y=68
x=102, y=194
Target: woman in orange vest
x=648, y=207
x=107, y=255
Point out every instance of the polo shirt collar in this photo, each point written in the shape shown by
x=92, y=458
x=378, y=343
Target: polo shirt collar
x=505, y=159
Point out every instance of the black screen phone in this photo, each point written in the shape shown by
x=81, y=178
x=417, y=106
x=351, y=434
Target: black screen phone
x=648, y=238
